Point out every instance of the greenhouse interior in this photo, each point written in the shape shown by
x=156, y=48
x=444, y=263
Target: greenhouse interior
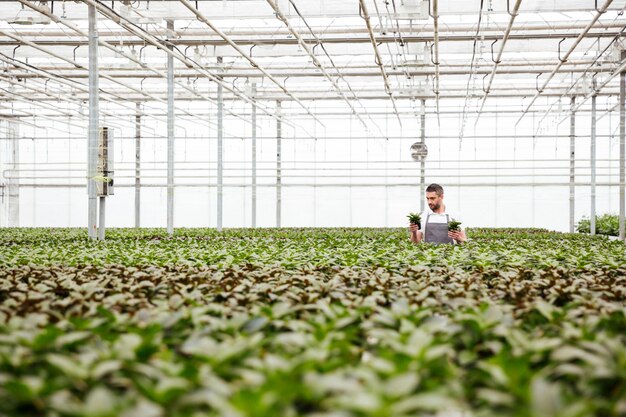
x=341, y=208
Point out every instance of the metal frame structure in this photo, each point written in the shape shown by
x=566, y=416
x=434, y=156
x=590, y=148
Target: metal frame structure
x=402, y=63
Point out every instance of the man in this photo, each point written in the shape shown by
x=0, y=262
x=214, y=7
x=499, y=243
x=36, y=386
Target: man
x=435, y=221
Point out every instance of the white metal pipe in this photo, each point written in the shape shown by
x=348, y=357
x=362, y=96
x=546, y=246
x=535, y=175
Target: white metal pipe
x=505, y=38
x=580, y=37
x=92, y=147
x=13, y=184
x=150, y=39
x=102, y=216
x=60, y=97
x=80, y=66
x=196, y=37
x=592, y=217
x=435, y=17
x=220, y=153
x=138, y=166
x=316, y=61
x=572, y=165
x=622, y=150
x=244, y=54
x=378, y=58
x=170, y=137
x=254, y=168
x=278, y=166
x=117, y=51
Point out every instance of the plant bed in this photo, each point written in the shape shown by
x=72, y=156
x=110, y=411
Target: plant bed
x=311, y=322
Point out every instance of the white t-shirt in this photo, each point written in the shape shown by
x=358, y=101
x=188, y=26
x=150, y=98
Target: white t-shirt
x=435, y=218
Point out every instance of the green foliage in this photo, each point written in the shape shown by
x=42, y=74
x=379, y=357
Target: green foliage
x=606, y=224
x=454, y=226
x=415, y=218
x=311, y=322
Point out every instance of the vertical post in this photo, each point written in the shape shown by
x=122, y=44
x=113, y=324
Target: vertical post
x=13, y=183
x=254, y=156
x=622, y=150
x=422, y=162
x=572, y=164
x=278, y=164
x=220, y=151
x=593, y=166
x=170, y=138
x=101, y=222
x=138, y=165
x=92, y=146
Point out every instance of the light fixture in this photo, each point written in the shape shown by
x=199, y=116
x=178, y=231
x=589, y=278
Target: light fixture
x=139, y=14
x=412, y=10
x=31, y=17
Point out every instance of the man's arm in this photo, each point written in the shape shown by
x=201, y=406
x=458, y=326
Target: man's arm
x=415, y=234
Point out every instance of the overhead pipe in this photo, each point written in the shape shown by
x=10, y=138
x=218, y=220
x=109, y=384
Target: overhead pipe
x=497, y=61
x=61, y=80
x=590, y=69
x=305, y=72
x=53, y=96
x=80, y=66
x=244, y=54
x=378, y=59
x=77, y=65
x=233, y=67
x=435, y=16
x=141, y=33
x=255, y=36
x=316, y=62
x=112, y=48
x=373, y=95
x=597, y=90
x=580, y=37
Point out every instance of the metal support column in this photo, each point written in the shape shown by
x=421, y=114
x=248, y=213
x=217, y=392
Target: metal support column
x=423, y=160
x=101, y=220
x=170, y=137
x=138, y=165
x=13, y=184
x=220, y=151
x=278, y=164
x=92, y=146
x=254, y=157
x=622, y=150
x=572, y=164
x=592, y=217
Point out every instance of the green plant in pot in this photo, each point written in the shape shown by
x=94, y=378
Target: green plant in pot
x=415, y=218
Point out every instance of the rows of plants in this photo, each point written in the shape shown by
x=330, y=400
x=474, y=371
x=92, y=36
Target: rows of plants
x=311, y=322
x=292, y=248
x=606, y=224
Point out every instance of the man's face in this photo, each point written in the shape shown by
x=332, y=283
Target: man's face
x=434, y=200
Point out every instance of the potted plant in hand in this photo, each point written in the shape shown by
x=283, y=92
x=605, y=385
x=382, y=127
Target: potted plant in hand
x=454, y=226
x=415, y=218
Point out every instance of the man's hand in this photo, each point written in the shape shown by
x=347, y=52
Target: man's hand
x=458, y=236
x=416, y=234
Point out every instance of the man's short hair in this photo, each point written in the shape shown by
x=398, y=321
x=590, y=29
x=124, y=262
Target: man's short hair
x=435, y=188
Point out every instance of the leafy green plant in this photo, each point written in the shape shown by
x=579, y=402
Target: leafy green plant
x=606, y=224
x=454, y=226
x=415, y=218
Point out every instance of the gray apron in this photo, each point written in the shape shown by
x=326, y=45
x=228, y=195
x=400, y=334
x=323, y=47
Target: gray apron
x=437, y=232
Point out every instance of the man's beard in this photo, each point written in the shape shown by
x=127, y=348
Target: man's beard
x=434, y=206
